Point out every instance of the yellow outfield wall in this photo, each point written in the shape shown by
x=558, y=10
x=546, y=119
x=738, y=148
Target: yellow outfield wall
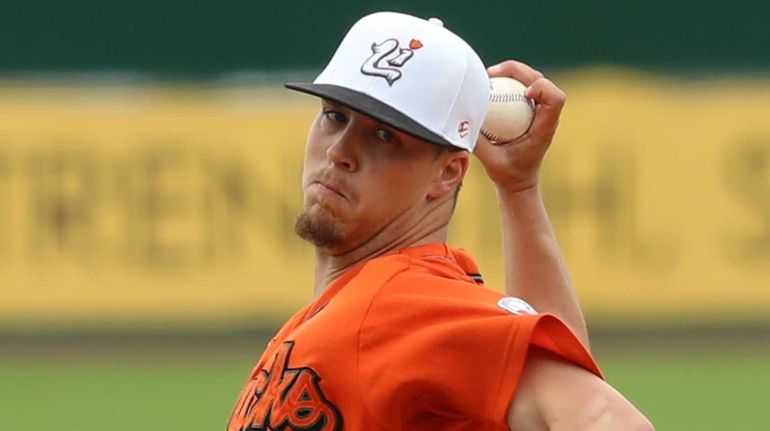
x=172, y=206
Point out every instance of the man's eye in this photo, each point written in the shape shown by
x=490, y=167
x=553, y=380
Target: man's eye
x=336, y=116
x=386, y=135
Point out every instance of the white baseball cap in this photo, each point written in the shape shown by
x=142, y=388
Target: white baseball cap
x=411, y=74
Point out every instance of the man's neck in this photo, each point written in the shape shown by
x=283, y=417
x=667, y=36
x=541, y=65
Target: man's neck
x=330, y=266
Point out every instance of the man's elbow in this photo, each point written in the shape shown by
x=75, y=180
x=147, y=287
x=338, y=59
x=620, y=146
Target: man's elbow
x=626, y=421
x=642, y=423
x=606, y=415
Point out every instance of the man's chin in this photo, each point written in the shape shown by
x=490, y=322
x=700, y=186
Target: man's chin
x=319, y=228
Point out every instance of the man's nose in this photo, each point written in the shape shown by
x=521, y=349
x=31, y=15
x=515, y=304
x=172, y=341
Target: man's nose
x=343, y=152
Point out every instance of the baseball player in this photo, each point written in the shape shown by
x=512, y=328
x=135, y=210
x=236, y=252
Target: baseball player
x=401, y=333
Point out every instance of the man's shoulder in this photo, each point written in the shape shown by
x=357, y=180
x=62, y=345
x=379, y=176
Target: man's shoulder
x=403, y=267
x=434, y=263
x=427, y=279
x=436, y=286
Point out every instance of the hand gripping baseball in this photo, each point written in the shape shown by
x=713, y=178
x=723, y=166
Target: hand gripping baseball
x=515, y=165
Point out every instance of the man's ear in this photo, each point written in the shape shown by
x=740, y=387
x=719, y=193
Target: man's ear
x=454, y=165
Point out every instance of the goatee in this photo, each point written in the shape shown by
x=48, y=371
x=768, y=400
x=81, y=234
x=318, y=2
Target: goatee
x=318, y=227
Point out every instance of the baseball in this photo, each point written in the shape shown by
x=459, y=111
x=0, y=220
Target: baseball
x=510, y=112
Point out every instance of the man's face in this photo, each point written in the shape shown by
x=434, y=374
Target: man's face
x=362, y=179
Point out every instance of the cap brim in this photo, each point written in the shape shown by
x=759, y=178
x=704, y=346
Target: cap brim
x=372, y=107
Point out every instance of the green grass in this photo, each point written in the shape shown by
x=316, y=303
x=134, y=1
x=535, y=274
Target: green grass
x=697, y=390
x=683, y=391
x=118, y=396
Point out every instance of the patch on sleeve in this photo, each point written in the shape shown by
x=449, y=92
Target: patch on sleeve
x=515, y=305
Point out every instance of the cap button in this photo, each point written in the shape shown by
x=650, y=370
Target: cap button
x=436, y=21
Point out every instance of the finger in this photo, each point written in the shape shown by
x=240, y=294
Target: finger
x=516, y=70
x=544, y=92
x=549, y=102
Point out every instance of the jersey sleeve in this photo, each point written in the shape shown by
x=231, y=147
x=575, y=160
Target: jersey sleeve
x=429, y=351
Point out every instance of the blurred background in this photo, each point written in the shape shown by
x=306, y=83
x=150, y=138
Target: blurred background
x=149, y=179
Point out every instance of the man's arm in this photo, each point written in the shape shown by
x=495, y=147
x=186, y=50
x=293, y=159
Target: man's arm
x=554, y=395
x=534, y=267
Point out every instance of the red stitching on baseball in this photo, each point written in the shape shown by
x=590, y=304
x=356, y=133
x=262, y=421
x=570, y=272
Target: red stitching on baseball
x=493, y=138
x=507, y=97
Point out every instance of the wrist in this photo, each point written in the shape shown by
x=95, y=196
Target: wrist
x=517, y=180
x=519, y=189
x=522, y=203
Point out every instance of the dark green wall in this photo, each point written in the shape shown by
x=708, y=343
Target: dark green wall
x=201, y=39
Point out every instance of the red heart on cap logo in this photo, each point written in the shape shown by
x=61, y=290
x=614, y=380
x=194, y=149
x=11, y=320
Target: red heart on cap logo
x=415, y=44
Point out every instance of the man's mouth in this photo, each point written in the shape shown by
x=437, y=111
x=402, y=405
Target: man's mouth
x=330, y=187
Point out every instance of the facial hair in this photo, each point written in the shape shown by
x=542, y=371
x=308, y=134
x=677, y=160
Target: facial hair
x=318, y=226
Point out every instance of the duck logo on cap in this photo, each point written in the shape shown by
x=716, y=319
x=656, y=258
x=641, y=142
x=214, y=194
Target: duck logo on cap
x=387, y=58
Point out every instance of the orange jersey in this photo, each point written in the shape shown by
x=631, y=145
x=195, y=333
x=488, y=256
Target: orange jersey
x=406, y=341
